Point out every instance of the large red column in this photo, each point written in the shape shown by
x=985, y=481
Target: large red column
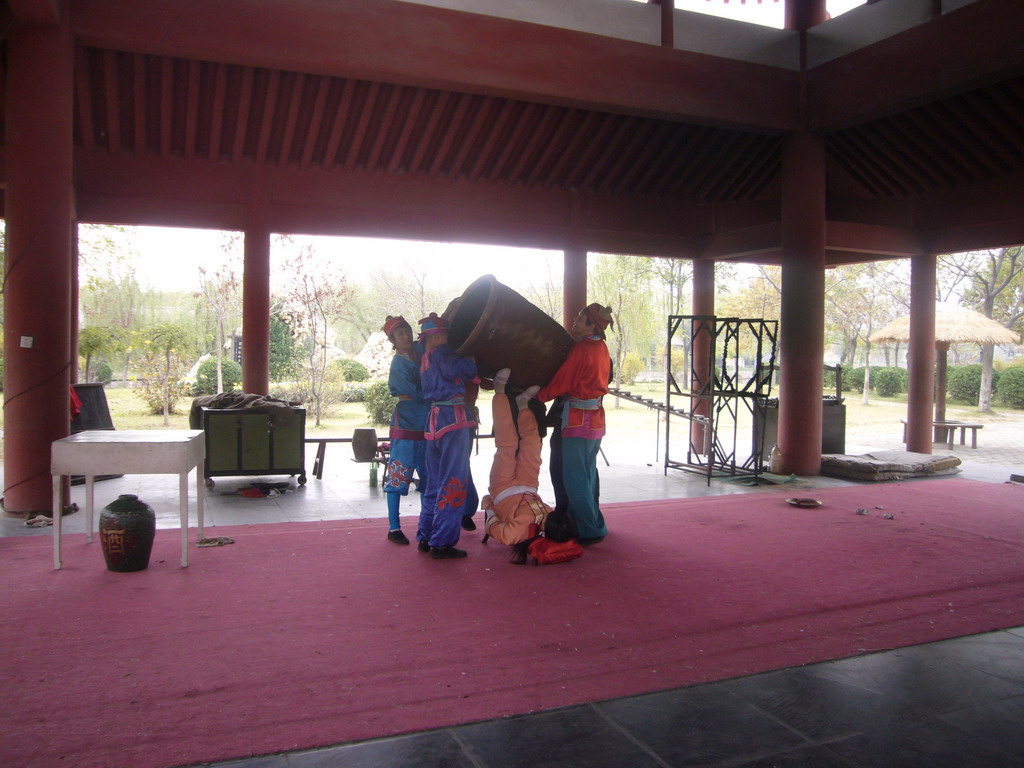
x=37, y=305
x=802, y=319
x=801, y=14
x=574, y=285
x=703, y=303
x=921, y=354
x=256, y=312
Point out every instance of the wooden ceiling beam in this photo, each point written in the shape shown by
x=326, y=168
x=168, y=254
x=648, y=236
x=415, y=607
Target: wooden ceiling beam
x=412, y=44
x=974, y=45
x=42, y=12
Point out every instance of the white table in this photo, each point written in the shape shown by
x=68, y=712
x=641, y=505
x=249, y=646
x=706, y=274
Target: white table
x=129, y=452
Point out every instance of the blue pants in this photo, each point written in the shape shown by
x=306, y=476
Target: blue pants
x=579, y=473
x=448, y=484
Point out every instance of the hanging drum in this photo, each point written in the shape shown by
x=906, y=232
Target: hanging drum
x=500, y=329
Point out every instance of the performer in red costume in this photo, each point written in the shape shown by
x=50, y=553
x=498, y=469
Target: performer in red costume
x=583, y=381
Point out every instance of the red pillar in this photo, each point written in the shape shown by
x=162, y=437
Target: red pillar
x=921, y=353
x=801, y=14
x=37, y=304
x=574, y=285
x=802, y=320
x=74, y=301
x=703, y=303
x=256, y=312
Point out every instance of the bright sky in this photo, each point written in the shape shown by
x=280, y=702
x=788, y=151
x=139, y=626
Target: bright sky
x=766, y=13
x=188, y=249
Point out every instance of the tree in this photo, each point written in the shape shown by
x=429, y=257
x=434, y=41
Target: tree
x=163, y=366
x=624, y=284
x=222, y=291
x=314, y=299
x=760, y=296
x=111, y=294
x=995, y=281
x=94, y=340
x=282, y=349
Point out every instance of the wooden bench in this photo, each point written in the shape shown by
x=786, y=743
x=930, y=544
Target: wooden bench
x=945, y=432
x=379, y=458
x=321, y=454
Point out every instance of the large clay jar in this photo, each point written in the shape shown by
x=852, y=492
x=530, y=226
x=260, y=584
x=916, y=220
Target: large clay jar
x=501, y=329
x=364, y=443
x=127, y=529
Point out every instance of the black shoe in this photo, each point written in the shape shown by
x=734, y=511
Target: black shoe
x=398, y=538
x=590, y=540
x=446, y=553
x=423, y=546
x=467, y=523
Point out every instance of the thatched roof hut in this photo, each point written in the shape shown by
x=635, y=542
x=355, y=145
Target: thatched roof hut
x=953, y=325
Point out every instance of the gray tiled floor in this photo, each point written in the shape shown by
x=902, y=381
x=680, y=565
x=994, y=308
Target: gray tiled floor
x=955, y=704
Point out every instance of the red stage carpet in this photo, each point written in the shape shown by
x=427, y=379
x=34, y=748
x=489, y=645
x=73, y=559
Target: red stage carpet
x=301, y=635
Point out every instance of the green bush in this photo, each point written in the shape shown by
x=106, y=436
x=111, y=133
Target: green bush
x=853, y=379
x=963, y=382
x=631, y=366
x=888, y=381
x=380, y=402
x=104, y=374
x=206, y=376
x=351, y=370
x=353, y=393
x=1010, y=389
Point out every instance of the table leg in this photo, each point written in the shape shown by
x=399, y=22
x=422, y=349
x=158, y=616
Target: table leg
x=57, y=515
x=90, y=481
x=183, y=508
x=318, y=463
x=200, y=498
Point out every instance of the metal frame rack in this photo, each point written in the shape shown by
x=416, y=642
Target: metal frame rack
x=715, y=400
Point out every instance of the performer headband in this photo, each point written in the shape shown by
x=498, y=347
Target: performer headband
x=433, y=324
x=393, y=323
x=600, y=316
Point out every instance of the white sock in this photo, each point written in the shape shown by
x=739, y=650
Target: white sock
x=501, y=379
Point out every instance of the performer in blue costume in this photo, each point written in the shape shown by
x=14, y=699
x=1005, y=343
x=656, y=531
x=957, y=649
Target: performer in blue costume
x=408, y=446
x=449, y=435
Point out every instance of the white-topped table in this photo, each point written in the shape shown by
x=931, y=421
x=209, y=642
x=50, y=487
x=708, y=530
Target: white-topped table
x=129, y=452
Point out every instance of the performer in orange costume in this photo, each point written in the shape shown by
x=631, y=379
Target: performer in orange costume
x=513, y=505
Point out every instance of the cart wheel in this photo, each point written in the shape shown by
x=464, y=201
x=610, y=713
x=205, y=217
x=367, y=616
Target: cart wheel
x=209, y=482
x=302, y=479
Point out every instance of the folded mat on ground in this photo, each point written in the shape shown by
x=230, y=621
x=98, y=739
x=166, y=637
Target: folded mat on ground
x=889, y=465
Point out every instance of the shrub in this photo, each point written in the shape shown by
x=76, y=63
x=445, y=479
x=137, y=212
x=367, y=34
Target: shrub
x=631, y=366
x=963, y=382
x=1010, y=388
x=380, y=402
x=352, y=370
x=853, y=380
x=353, y=393
x=888, y=381
x=206, y=376
x=104, y=373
